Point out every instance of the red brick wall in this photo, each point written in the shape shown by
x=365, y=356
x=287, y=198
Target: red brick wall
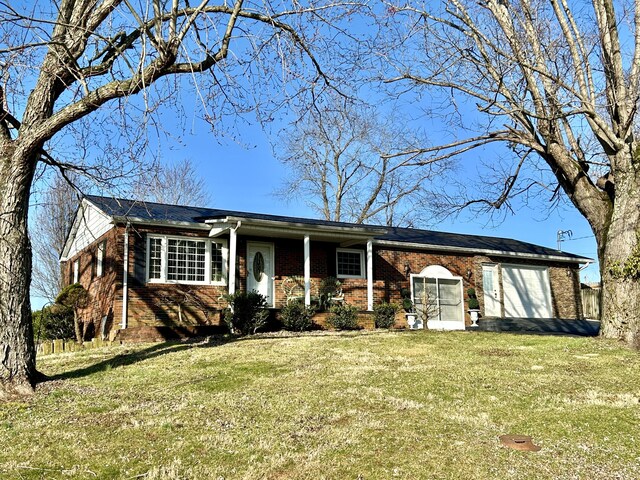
x=173, y=305
x=153, y=304
x=390, y=266
x=101, y=288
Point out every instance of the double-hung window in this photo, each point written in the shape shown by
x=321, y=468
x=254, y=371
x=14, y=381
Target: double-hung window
x=349, y=263
x=186, y=260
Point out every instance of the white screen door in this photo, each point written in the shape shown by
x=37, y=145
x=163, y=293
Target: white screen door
x=438, y=301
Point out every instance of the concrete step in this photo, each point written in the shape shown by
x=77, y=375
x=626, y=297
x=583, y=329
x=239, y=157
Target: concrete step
x=539, y=325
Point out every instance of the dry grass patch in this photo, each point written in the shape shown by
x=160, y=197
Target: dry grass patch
x=365, y=405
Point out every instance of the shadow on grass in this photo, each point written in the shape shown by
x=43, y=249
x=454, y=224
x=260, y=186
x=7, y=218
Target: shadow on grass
x=172, y=346
x=130, y=358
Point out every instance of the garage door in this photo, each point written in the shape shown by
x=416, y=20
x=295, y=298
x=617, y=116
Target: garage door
x=527, y=293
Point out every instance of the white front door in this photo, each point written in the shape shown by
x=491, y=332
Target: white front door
x=491, y=288
x=260, y=269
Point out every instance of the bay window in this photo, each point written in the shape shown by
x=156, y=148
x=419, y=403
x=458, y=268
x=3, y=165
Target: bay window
x=186, y=260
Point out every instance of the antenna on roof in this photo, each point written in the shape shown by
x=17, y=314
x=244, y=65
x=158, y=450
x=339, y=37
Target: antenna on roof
x=562, y=235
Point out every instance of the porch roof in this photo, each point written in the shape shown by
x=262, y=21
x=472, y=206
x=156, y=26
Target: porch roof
x=134, y=211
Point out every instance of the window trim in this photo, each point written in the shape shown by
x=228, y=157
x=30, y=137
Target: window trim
x=362, y=262
x=164, y=264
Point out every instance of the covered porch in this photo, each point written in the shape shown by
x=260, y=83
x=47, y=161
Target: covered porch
x=290, y=260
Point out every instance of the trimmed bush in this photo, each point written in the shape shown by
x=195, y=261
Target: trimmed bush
x=343, y=317
x=407, y=304
x=296, y=316
x=248, y=313
x=473, y=299
x=53, y=323
x=75, y=297
x=385, y=314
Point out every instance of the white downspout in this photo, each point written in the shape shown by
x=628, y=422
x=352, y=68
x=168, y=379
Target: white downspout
x=307, y=270
x=370, y=275
x=125, y=277
x=588, y=264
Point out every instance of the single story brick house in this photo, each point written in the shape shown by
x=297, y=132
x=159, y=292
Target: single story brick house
x=154, y=265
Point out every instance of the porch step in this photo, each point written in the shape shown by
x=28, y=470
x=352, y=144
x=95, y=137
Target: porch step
x=586, y=328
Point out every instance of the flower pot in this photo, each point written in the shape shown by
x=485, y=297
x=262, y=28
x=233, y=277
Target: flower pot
x=474, y=314
x=413, y=322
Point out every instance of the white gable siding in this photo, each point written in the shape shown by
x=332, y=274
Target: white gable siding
x=89, y=225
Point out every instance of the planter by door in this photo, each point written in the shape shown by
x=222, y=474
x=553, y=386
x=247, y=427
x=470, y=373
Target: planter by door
x=260, y=269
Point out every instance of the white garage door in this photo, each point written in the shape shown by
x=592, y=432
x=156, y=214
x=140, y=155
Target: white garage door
x=527, y=293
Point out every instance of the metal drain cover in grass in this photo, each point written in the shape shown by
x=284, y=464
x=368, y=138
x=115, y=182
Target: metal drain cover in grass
x=519, y=442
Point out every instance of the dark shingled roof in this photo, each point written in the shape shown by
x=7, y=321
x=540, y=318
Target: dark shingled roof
x=475, y=242
x=149, y=211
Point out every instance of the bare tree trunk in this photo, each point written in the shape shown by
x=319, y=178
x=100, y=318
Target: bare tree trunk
x=78, y=331
x=619, y=255
x=17, y=351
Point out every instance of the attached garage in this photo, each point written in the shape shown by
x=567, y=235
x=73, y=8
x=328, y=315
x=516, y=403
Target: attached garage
x=527, y=292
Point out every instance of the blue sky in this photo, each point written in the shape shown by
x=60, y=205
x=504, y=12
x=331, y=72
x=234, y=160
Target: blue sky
x=243, y=174
x=243, y=177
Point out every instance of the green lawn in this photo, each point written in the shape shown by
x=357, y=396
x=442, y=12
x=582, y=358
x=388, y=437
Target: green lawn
x=370, y=405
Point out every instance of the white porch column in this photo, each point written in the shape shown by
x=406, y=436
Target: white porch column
x=370, y=274
x=233, y=241
x=307, y=270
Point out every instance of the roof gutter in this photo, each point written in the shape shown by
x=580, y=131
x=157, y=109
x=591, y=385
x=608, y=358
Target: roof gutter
x=476, y=251
x=363, y=231
x=351, y=230
x=159, y=223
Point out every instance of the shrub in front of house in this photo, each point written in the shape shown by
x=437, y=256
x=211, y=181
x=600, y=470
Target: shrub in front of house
x=407, y=304
x=296, y=316
x=75, y=297
x=473, y=299
x=343, y=317
x=247, y=312
x=52, y=323
x=384, y=314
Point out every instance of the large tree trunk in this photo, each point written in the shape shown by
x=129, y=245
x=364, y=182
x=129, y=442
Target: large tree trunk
x=17, y=352
x=619, y=255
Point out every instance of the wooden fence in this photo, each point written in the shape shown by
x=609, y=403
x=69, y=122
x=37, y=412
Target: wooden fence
x=59, y=346
x=591, y=303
